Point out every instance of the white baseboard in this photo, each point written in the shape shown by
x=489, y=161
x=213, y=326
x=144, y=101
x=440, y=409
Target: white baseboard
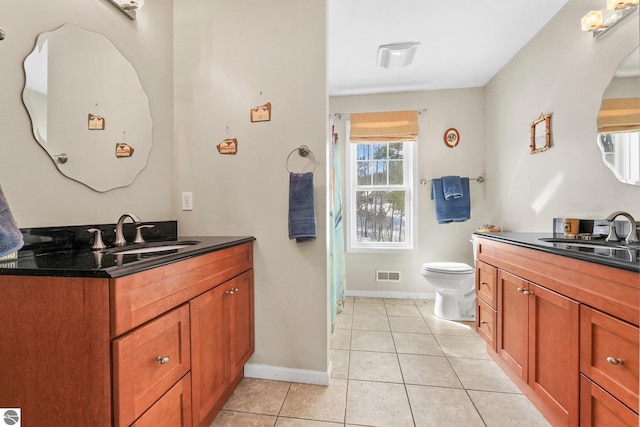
x=390, y=294
x=279, y=373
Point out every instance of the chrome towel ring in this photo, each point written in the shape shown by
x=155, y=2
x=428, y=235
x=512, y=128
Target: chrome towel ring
x=303, y=151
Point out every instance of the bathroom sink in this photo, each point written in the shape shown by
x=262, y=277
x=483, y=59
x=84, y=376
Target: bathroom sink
x=149, y=248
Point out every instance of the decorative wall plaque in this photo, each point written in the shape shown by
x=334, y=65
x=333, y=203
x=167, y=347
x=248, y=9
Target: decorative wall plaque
x=123, y=150
x=96, y=122
x=451, y=137
x=228, y=146
x=261, y=113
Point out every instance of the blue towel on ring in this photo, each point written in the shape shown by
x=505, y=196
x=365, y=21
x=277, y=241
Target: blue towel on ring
x=10, y=236
x=452, y=187
x=302, y=212
x=454, y=210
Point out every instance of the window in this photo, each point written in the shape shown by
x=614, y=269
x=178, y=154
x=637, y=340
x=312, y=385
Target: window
x=380, y=196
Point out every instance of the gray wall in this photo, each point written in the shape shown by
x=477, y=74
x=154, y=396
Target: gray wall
x=39, y=195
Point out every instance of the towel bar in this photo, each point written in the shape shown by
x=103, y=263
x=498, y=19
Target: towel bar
x=303, y=151
x=479, y=179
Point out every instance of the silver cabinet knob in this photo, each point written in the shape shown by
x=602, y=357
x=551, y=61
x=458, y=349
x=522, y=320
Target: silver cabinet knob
x=163, y=359
x=520, y=289
x=230, y=292
x=614, y=361
x=527, y=292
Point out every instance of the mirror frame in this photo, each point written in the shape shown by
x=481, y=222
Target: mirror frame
x=541, y=134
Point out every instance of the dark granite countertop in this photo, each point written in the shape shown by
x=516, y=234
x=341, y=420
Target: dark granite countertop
x=599, y=251
x=65, y=251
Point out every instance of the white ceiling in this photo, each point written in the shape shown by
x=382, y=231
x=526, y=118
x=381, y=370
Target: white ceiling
x=464, y=43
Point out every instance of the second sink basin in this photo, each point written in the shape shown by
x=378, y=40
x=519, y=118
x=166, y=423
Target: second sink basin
x=147, y=248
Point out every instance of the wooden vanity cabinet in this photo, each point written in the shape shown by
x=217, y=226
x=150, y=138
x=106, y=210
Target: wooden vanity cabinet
x=164, y=347
x=486, y=293
x=557, y=317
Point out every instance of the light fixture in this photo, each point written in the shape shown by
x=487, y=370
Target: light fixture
x=599, y=22
x=128, y=7
x=397, y=55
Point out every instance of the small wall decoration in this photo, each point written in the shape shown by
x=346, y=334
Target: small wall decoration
x=261, y=113
x=541, y=134
x=123, y=150
x=228, y=146
x=96, y=122
x=451, y=137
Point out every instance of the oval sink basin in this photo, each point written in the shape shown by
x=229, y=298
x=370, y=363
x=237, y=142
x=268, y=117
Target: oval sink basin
x=147, y=248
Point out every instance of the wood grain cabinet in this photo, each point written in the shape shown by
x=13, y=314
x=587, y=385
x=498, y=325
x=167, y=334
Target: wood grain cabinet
x=567, y=333
x=164, y=347
x=486, y=298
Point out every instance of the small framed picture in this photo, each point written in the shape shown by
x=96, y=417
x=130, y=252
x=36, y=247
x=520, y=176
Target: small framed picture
x=451, y=137
x=541, y=134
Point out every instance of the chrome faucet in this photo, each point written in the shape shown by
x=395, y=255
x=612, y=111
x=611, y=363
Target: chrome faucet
x=120, y=240
x=632, y=237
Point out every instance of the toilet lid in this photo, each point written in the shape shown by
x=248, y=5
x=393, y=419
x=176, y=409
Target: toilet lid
x=448, y=267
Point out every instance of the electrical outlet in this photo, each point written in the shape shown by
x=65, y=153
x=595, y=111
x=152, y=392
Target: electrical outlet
x=187, y=201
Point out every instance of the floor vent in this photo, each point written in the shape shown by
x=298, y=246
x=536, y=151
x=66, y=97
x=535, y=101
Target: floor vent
x=387, y=276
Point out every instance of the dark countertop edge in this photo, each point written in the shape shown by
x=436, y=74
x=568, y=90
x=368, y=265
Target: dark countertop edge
x=139, y=266
x=530, y=240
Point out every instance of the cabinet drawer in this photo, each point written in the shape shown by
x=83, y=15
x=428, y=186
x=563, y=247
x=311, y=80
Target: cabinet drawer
x=486, y=323
x=140, y=297
x=609, y=354
x=486, y=283
x=172, y=410
x=599, y=409
x=148, y=361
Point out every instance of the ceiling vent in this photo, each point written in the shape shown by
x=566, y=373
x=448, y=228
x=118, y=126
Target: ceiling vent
x=397, y=55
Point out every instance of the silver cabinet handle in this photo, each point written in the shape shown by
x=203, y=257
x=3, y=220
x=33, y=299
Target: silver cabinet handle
x=614, y=361
x=235, y=290
x=527, y=292
x=230, y=292
x=163, y=359
x=520, y=289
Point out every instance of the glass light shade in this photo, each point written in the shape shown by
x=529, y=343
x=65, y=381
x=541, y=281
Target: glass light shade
x=592, y=21
x=620, y=4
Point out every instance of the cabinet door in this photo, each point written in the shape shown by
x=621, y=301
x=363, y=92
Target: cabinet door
x=599, y=409
x=209, y=352
x=512, y=322
x=554, y=350
x=242, y=330
x=172, y=410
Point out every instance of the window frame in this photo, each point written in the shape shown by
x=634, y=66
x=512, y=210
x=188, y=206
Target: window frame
x=410, y=156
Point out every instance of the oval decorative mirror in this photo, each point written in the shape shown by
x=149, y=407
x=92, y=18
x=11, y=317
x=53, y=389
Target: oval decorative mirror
x=619, y=121
x=88, y=108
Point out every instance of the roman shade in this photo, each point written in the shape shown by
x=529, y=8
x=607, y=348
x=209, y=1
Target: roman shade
x=392, y=126
x=619, y=115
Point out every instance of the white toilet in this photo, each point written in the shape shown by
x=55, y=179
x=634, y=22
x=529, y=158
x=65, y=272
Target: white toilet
x=455, y=285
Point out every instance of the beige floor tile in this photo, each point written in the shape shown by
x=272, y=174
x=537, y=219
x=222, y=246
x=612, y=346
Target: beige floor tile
x=368, y=322
x=411, y=343
x=348, y=307
x=426, y=306
x=428, y=370
x=440, y=326
x=343, y=321
x=402, y=310
x=349, y=299
x=470, y=346
x=258, y=396
x=437, y=406
x=340, y=363
x=378, y=404
x=372, y=341
x=315, y=402
x=370, y=366
x=371, y=300
x=401, y=301
x=341, y=339
x=296, y=422
x=409, y=324
x=236, y=419
x=499, y=409
x=369, y=308
x=484, y=375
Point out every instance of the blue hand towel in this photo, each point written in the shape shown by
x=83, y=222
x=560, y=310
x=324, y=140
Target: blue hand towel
x=454, y=210
x=302, y=212
x=10, y=235
x=452, y=187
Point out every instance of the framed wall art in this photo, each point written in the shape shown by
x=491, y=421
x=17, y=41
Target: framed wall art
x=541, y=134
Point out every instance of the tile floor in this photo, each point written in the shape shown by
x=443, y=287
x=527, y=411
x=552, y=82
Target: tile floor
x=394, y=364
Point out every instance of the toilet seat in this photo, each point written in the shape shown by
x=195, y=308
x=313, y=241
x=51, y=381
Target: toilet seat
x=453, y=268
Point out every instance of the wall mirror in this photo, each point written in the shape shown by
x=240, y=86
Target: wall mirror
x=88, y=108
x=619, y=121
